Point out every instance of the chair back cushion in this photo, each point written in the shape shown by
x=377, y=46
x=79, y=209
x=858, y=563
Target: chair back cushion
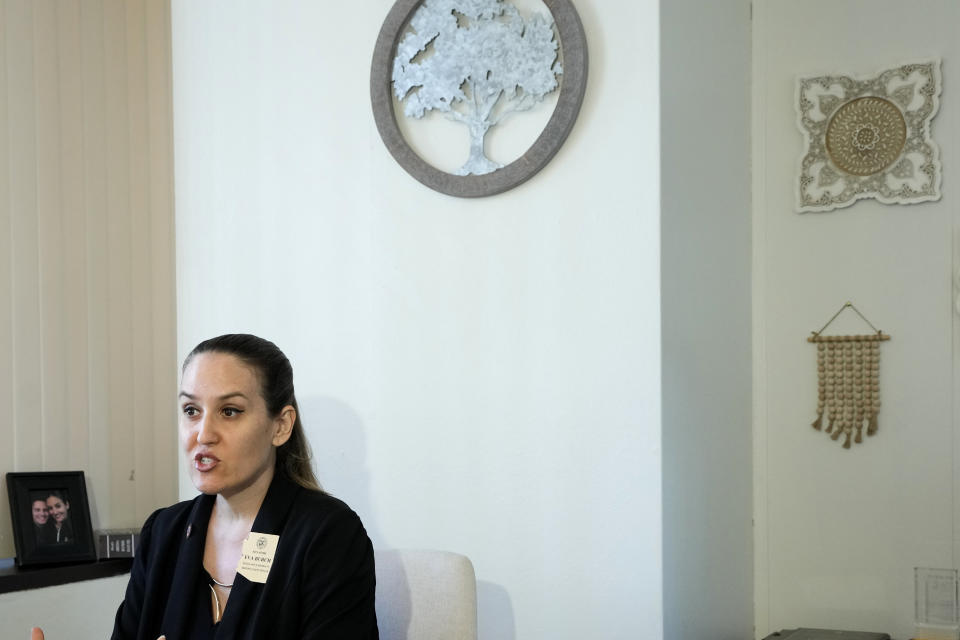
x=425, y=595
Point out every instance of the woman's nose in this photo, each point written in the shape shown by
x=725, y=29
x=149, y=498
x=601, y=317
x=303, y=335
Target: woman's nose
x=205, y=430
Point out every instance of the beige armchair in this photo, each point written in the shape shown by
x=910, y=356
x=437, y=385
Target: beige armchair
x=425, y=595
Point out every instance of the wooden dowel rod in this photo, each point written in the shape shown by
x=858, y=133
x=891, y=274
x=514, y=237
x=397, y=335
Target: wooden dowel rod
x=870, y=337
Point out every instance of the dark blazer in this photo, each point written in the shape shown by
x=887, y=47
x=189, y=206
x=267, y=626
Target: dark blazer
x=321, y=584
x=45, y=533
x=65, y=534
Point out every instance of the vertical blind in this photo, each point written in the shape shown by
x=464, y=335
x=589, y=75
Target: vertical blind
x=87, y=276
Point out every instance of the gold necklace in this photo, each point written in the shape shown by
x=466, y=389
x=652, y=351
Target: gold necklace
x=215, y=605
x=215, y=599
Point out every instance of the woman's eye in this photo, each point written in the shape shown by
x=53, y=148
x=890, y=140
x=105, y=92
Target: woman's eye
x=190, y=411
x=231, y=412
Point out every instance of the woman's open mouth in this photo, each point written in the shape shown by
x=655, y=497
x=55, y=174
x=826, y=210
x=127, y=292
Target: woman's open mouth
x=204, y=462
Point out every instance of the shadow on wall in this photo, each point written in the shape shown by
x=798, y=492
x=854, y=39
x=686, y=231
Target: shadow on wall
x=495, y=617
x=337, y=438
x=394, y=607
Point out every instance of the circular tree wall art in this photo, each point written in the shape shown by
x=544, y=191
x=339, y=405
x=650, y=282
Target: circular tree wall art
x=477, y=61
x=869, y=137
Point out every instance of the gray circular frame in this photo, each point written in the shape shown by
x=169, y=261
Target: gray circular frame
x=573, y=85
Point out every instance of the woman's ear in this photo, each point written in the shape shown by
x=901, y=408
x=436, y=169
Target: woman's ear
x=283, y=425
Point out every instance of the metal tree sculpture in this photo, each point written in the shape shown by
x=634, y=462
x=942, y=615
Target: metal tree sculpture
x=477, y=61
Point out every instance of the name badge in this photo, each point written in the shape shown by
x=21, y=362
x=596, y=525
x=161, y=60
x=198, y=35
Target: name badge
x=256, y=558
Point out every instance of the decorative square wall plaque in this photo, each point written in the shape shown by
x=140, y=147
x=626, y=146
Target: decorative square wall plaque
x=869, y=137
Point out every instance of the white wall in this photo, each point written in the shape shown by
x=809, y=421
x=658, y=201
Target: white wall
x=705, y=236
x=77, y=610
x=839, y=532
x=477, y=375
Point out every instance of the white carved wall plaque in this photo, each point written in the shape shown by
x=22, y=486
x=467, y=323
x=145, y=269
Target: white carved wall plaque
x=869, y=137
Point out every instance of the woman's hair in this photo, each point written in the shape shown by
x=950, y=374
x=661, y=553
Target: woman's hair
x=276, y=386
x=53, y=493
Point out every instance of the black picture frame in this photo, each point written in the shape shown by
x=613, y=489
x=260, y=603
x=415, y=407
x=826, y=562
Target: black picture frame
x=56, y=541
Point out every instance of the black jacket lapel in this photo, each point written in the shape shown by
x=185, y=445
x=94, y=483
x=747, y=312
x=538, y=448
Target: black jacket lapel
x=189, y=563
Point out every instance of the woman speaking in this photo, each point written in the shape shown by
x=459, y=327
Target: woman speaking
x=262, y=552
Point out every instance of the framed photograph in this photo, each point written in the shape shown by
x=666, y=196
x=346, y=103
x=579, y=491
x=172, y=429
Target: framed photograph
x=51, y=518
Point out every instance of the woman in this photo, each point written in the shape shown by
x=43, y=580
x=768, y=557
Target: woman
x=193, y=577
x=59, y=509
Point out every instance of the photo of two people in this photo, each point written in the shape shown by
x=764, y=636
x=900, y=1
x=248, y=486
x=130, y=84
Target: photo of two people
x=51, y=518
x=50, y=511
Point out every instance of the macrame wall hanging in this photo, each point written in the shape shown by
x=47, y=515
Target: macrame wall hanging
x=848, y=381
